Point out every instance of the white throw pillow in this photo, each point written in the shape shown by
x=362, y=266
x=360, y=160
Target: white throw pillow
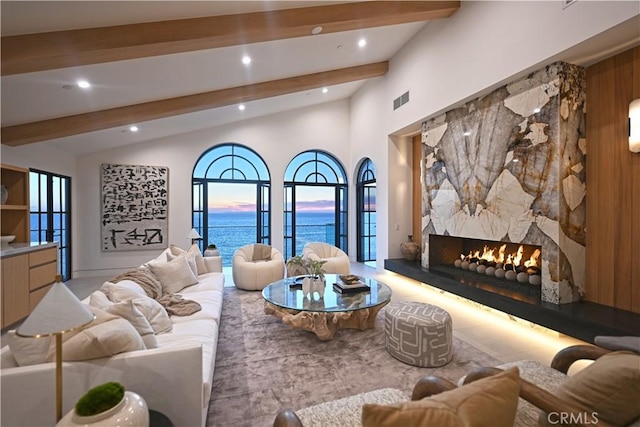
x=127, y=310
x=123, y=290
x=193, y=253
x=103, y=340
x=190, y=261
x=151, y=309
x=174, y=275
x=28, y=351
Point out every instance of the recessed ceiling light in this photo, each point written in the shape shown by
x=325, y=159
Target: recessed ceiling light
x=515, y=160
x=241, y=107
x=467, y=133
x=537, y=110
x=362, y=43
x=316, y=30
x=133, y=128
x=246, y=60
x=325, y=90
x=83, y=84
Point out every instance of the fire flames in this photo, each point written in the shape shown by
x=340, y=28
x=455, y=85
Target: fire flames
x=510, y=266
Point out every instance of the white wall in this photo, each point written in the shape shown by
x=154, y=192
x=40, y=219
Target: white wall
x=481, y=46
x=277, y=138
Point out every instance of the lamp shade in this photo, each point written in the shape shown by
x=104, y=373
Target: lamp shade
x=634, y=126
x=58, y=312
x=193, y=234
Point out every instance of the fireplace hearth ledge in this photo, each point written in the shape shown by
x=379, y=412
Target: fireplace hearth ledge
x=583, y=320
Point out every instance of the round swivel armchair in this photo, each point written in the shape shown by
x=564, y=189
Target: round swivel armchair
x=337, y=261
x=256, y=265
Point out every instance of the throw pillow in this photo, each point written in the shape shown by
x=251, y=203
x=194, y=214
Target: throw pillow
x=195, y=253
x=103, y=340
x=190, y=261
x=155, y=314
x=174, y=275
x=128, y=311
x=28, y=351
x=123, y=290
x=491, y=401
x=610, y=387
x=261, y=252
x=629, y=343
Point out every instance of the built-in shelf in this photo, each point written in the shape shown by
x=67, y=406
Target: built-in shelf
x=14, y=213
x=583, y=320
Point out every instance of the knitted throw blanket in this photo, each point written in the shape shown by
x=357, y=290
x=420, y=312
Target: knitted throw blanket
x=174, y=304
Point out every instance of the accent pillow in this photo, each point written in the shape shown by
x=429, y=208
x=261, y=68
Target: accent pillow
x=103, y=340
x=123, y=290
x=261, y=252
x=491, y=401
x=609, y=386
x=28, y=351
x=155, y=313
x=190, y=261
x=192, y=252
x=174, y=275
x=128, y=311
x=629, y=343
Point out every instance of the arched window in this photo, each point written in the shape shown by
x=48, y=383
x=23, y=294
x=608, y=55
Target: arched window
x=231, y=199
x=366, y=207
x=315, y=202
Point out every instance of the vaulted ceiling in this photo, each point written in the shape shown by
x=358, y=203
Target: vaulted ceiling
x=174, y=67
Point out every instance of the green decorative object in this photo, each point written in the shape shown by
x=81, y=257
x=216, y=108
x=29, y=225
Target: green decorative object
x=100, y=399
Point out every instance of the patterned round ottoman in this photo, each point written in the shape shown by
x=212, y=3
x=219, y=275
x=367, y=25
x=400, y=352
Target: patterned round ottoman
x=418, y=334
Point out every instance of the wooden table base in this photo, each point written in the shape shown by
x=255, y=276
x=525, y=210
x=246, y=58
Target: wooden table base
x=325, y=324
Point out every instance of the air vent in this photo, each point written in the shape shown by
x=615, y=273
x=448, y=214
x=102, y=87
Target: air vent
x=401, y=100
x=567, y=3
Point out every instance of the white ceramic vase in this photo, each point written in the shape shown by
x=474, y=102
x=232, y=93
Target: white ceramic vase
x=211, y=252
x=307, y=287
x=318, y=285
x=132, y=411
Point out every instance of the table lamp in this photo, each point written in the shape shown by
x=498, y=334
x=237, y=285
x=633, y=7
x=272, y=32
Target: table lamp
x=194, y=235
x=58, y=312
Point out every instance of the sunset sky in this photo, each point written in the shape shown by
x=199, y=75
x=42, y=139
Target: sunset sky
x=242, y=198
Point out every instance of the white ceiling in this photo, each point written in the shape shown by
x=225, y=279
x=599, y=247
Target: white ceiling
x=37, y=96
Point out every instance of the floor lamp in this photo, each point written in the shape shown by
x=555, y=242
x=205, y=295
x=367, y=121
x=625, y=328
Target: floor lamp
x=58, y=312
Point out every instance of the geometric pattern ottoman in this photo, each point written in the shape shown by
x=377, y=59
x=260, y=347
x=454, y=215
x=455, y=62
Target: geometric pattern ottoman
x=418, y=334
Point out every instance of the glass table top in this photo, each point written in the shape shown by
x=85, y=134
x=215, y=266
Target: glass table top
x=287, y=293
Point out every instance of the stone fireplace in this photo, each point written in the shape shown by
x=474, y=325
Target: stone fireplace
x=510, y=167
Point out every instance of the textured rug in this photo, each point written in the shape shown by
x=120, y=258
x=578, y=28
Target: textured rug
x=263, y=365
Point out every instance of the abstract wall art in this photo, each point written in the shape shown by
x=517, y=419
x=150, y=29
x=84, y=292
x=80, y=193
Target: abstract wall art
x=135, y=207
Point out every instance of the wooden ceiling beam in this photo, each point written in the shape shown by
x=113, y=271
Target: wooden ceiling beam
x=60, y=49
x=29, y=133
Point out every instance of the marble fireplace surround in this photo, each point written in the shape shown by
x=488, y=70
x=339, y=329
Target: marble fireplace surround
x=510, y=167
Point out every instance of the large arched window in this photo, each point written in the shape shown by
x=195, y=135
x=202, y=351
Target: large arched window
x=366, y=207
x=315, y=202
x=231, y=199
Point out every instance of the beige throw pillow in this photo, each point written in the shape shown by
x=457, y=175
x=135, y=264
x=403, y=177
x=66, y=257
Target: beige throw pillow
x=28, y=351
x=155, y=313
x=194, y=255
x=489, y=402
x=174, y=275
x=261, y=252
x=610, y=387
x=128, y=311
x=122, y=291
x=103, y=340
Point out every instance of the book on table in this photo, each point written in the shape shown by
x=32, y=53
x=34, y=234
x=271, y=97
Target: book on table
x=345, y=288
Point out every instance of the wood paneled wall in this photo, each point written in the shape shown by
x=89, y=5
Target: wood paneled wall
x=613, y=184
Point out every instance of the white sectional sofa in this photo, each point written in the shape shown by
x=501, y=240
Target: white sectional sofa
x=175, y=378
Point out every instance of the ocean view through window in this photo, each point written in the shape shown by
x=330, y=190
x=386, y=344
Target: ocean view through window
x=231, y=230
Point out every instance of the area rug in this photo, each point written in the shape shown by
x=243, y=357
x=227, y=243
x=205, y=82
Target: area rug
x=262, y=365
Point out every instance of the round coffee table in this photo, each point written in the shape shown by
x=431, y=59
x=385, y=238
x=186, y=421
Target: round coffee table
x=325, y=315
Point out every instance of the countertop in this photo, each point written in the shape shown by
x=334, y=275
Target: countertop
x=13, y=249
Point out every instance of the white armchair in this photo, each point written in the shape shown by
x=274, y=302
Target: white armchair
x=252, y=269
x=337, y=261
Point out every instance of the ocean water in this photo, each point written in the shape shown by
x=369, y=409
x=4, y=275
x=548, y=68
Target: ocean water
x=229, y=231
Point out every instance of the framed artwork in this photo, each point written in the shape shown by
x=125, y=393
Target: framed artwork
x=135, y=207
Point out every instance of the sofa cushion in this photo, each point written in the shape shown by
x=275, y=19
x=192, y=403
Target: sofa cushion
x=102, y=340
x=123, y=290
x=490, y=401
x=194, y=254
x=609, y=386
x=28, y=351
x=128, y=311
x=629, y=343
x=155, y=314
x=174, y=275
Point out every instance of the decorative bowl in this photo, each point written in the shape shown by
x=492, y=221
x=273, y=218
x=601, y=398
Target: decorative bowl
x=5, y=240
